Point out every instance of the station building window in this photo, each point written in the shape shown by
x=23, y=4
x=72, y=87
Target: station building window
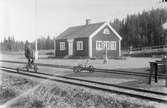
x=102, y=45
x=62, y=46
x=79, y=45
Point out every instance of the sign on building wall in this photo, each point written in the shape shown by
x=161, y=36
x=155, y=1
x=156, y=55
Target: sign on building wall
x=102, y=45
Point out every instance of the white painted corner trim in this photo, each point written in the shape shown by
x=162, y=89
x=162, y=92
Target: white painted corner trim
x=92, y=35
x=97, y=31
x=164, y=25
x=119, y=48
x=115, y=32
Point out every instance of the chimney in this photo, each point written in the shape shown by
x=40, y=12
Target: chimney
x=88, y=21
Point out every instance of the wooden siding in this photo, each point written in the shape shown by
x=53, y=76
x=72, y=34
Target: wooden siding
x=102, y=37
x=84, y=52
x=60, y=53
x=76, y=53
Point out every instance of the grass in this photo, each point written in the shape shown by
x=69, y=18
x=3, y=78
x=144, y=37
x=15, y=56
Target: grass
x=74, y=97
x=12, y=86
x=67, y=96
x=28, y=102
x=6, y=94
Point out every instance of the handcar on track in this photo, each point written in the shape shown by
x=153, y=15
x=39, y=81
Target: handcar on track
x=30, y=56
x=84, y=67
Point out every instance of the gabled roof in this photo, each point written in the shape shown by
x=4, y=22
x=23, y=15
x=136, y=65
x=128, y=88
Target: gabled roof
x=85, y=31
x=79, y=31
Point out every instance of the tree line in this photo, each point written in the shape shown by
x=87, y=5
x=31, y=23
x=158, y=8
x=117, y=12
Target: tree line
x=138, y=30
x=10, y=44
x=144, y=29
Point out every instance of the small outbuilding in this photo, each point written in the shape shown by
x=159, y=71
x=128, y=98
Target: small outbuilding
x=89, y=40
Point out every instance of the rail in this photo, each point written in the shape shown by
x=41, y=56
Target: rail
x=129, y=91
x=113, y=71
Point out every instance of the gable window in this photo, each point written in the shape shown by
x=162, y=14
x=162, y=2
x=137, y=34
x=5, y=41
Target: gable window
x=62, y=46
x=79, y=45
x=106, y=31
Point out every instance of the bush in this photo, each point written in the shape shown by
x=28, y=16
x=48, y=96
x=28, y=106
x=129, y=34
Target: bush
x=6, y=94
x=37, y=104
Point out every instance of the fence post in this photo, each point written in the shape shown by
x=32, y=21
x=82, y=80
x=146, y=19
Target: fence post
x=151, y=72
x=156, y=71
x=166, y=72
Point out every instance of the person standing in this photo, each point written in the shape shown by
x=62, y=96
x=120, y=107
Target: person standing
x=28, y=52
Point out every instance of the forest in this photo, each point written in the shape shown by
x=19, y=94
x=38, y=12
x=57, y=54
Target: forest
x=142, y=30
x=10, y=44
x=138, y=30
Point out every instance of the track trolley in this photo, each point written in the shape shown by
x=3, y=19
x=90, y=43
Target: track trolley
x=30, y=56
x=84, y=67
x=29, y=66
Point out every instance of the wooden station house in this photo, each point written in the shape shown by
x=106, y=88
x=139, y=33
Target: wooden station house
x=89, y=40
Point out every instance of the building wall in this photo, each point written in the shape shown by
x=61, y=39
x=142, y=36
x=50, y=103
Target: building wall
x=58, y=52
x=84, y=52
x=76, y=53
x=103, y=37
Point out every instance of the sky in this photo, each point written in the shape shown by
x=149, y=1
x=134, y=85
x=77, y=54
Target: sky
x=31, y=19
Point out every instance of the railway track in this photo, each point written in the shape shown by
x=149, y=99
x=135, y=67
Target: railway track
x=140, y=74
x=111, y=88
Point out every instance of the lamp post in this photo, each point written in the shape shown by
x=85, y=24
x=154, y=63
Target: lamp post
x=106, y=33
x=36, y=42
x=105, y=54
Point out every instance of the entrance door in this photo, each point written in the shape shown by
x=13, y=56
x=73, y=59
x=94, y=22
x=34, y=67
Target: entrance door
x=70, y=49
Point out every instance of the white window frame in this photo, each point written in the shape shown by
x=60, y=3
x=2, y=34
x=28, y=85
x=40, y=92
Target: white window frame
x=98, y=45
x=112, y=45
x=79, y=45
x=107, y=45
x=103, y=45
x=62, y=46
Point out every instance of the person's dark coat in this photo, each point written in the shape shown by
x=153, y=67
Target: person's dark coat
x=28, y=52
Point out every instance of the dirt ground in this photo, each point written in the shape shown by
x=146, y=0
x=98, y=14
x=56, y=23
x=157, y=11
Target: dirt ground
x=129, y=63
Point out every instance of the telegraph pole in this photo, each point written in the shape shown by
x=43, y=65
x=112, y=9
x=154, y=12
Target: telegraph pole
x=36, y=49
x=36, y=42
x=165, y=28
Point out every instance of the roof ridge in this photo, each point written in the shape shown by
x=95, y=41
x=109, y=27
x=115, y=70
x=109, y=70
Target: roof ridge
x=87, y=25
x=80, y=31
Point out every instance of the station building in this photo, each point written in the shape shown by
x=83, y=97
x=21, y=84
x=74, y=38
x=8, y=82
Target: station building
x=89, y=40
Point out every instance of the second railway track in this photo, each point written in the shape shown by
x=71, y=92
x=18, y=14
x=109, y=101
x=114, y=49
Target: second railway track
x=106, y=87
x=96, y=70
